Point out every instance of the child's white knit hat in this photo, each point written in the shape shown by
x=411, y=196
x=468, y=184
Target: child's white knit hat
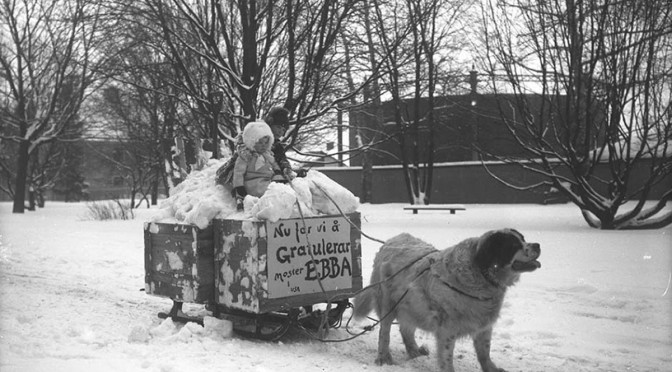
x=255, y=131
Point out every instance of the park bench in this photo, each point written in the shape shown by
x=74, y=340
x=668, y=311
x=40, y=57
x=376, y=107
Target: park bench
x=435, y=207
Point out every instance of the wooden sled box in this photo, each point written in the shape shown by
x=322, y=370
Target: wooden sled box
x=256, y=266
x=179, y=262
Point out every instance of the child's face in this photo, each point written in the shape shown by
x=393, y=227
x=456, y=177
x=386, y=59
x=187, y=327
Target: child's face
x=278, y=130
x=263, y=144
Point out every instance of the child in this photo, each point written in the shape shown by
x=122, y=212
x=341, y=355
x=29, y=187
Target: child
x=278, y=120
x=255, y=165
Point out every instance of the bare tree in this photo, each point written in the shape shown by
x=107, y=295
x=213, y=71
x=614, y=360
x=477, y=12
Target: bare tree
x=604, y=72
x=144, y=106
x=45, y=46
x=415, y=38
x=259, y=53
x=133, y=125
x=202, y=69
x=159, y=102
x=365, y=135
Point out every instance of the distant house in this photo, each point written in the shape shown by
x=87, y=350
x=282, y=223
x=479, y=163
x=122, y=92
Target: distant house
x=105, y=172
x=461, y=122
x=105, y=179
x=101, y=178
x=314, y=159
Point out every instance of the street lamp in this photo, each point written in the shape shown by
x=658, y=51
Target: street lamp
x=473, y=95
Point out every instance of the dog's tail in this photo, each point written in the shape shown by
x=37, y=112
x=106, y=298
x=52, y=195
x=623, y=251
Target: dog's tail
x=366, y=301
x=363, y=303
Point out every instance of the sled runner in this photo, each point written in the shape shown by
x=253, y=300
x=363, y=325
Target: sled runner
x=263, y=276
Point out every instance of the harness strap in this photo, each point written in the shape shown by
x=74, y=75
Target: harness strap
x=440, y=279
x=480, y=298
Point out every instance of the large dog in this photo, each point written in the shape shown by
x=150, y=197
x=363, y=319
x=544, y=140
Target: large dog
x=452, y=293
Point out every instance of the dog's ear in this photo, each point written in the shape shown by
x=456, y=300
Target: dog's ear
x=518, y=233
x=497, y=249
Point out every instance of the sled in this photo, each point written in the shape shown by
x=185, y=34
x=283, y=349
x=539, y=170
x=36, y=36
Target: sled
x=263, y=276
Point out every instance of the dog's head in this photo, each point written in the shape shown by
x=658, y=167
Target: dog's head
x=504, y=254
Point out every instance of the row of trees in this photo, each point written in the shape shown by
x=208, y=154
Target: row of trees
x=150, y=71
x=49, y=58
x=163, y=69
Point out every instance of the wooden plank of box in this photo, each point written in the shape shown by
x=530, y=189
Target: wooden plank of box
x=267, y=266
x=179, y=262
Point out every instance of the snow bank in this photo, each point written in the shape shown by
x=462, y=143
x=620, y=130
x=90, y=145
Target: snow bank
x=199, y=199
x=329, y=196
x=169, y=332
x=70, y=302
x=277, y=203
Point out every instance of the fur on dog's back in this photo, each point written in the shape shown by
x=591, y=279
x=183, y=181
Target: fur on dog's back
x=393, y=258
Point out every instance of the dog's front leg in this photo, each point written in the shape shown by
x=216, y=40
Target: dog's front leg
x=445, y=347
x=482, y=346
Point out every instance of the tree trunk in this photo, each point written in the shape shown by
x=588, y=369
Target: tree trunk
x=155, y=189
x=367, y=178
x=21, y=174
x=367, y=165
x=31, y=197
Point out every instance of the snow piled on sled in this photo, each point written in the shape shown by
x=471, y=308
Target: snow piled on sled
x=199, y=199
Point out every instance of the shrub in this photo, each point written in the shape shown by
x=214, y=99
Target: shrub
x=109, y=210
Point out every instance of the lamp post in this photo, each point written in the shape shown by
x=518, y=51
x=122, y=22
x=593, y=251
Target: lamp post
x=339, y=148
x=216, y=102
x=473, y=95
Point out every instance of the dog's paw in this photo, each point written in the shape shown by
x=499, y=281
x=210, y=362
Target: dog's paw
x=488, y=366
x=384, y=359
x=495, y=369
x=422, y=350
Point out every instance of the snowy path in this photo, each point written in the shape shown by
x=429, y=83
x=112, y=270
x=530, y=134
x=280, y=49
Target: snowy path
x=70, y=299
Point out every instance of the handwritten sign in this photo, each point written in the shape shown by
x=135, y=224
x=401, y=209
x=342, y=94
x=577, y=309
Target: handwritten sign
x=299, y=254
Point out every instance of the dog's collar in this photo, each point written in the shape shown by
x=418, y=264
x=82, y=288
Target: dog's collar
x=490, y=277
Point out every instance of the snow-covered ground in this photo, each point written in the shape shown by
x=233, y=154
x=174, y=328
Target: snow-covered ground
x=70, y=299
